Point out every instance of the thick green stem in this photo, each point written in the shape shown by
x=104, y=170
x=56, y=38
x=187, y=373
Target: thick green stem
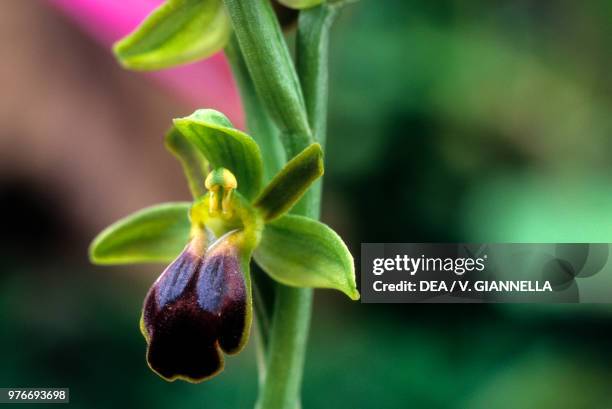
x=271, y=69
x=265, y=133
x=261, y=324
x=312, y=44
x=286, y=349
x=293, y=305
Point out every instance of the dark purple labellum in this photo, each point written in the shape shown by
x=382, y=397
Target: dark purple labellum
x=196, y=308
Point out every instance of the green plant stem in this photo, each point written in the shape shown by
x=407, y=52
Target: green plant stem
x=293, y=305
x=265, y=133
x=312, y=44
x=286, y=349
x=312, y=51
x=271, y=69
x=262, y=320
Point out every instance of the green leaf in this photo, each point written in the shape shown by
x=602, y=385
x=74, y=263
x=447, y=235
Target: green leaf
x=302, y=252
x=177, y=32
x=193, y=162
x=300, y=4
x=288, y=186
x=153, y=234
x=271, y=68
x=258, y=122
x=224, y=146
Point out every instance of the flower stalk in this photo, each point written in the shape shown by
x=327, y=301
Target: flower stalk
x=297, y=114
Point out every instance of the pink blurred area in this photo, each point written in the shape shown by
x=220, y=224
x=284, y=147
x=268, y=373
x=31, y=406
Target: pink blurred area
x=204, y=84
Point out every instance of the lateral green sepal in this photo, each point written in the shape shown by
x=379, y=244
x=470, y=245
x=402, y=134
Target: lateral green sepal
x=154, y=234
x=290, y=183
x=302, y=252
x=225, y=147
x=177, y=32
x=193, y=162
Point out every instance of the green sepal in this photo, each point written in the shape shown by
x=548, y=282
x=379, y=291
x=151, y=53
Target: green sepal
x=290, y=183
x=300, y=4
x=193, y=162
x=154, y=234
x=177, y=32
x=302, y=252
x=225, y=146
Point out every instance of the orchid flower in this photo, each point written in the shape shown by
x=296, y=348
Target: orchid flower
x=200, y=307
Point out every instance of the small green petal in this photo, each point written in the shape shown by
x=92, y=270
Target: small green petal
x=288, y=186
x=154, y=234
x=225, y=147
x=300, y=4
x=177, y=32
x=194, y=163
x=303, y=252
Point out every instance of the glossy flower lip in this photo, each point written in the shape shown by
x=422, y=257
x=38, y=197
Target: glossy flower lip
x=197, y=309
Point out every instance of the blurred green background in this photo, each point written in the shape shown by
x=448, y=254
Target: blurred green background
x=449, y=121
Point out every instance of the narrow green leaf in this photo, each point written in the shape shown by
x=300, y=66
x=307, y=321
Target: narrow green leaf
x=269, y=62
x=300, y=4
x=288, y=186
x=193, y=162
x=259, y=123
x=154, y=234
x=177, y=32
x=302, y=252
x=224, y=146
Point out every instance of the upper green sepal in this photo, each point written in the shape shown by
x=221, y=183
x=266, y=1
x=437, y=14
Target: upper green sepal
x=302, y=252
x=177, y=32
x=225, y=147
x=300, y=4
x=194, y=163
x=290, y=183
x=154, y=234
